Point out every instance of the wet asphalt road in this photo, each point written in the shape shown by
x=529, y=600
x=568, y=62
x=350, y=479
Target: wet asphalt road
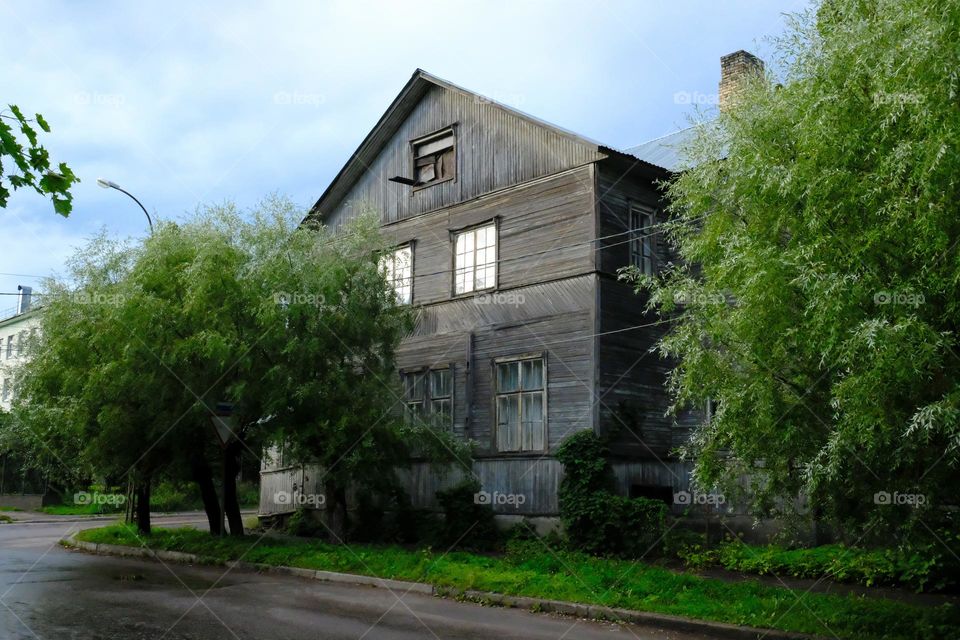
x=47, y=592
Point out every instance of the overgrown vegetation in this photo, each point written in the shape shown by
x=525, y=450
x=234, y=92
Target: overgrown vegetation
x=595, y=519
x=466, y=524
x=273, y=319
x=818, y=294
x=460, y=523
x=926, y=567
x=532, y=569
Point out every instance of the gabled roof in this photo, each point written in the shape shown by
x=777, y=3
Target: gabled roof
x=398, y=111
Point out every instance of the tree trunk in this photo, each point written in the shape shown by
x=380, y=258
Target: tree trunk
x=128, y=515
x=336, y=497
x=143, y=507
x=203, y=476
x=231, y=467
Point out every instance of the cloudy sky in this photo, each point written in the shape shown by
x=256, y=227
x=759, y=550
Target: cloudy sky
x=193, y=102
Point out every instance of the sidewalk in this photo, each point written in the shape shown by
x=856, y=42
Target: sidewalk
x=38, y=517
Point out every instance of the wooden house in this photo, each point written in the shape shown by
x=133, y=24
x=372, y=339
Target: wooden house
x=508, y=234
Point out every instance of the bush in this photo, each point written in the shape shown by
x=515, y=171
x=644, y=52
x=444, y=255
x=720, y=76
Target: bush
x=595, y=519
x=248, y=494
x=390, y=517
x=303, y=523
x=918, y=565
x=367, y=521
x=175, y=496
x=688, y=546
x=466, y=524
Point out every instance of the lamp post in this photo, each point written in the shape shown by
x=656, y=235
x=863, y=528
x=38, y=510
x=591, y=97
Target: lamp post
x=108, y=184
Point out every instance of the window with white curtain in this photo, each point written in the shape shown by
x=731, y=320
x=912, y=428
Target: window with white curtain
x=475, y=252
x=521, y=404
x=397, y=268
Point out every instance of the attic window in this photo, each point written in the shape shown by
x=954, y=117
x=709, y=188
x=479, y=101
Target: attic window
x=434, y=158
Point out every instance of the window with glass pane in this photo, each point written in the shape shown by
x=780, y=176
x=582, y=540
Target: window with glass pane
x=521, y=399
x=413, y=396
x=475, y=254
x=429, y=397
x=441, y=397
x=397, y=268
x=642, y=239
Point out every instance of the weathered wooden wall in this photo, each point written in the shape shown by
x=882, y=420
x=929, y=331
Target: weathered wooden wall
x=553, y=318
x=545, y=232
x=495, y=149
x=529, y=486
x=299, y=479
x=631, y=374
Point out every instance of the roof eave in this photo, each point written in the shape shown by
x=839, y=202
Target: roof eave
x=350, y=163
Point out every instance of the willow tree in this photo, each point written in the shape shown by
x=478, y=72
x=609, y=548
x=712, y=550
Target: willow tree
x=820, y=274
x=290, y=327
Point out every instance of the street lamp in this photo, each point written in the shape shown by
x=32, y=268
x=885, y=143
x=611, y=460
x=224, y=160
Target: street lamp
x=108, y=184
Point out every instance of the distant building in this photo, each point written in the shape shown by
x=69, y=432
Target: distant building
x=16, y=325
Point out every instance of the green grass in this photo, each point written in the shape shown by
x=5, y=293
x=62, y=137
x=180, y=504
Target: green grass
x=2, y=508
x=78, y=510
x=5, y=519
x=532, y=570
x=933, y=569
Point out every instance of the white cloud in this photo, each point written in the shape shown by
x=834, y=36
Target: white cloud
x=179, y=102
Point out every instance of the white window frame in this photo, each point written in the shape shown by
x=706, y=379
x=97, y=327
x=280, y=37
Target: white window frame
x=535, y=439
x=465, y=258
x=399, y=275
x=643, y=242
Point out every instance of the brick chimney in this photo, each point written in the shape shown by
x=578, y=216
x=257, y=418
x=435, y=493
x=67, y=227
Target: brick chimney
x=735, y=69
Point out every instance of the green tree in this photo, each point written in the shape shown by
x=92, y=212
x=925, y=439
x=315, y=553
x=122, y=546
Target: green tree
x=31, y=163
x=292, y=326
x=330, y=386
x=817, y=296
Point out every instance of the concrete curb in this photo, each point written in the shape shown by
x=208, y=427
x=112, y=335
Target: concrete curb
x=596, y=612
